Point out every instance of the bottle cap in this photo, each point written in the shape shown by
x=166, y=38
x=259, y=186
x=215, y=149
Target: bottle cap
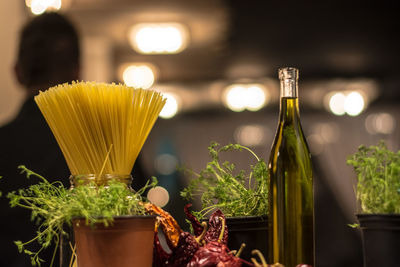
x=288, y=73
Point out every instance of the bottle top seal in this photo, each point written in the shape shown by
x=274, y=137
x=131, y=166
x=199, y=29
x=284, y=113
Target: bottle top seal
x=288, y=73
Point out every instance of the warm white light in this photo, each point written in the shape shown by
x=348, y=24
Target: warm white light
x=158, y=196
x=171, y=106
x=162, y=38
x=242, y=96
x=138, y=76
x=329, y=132
x=336, y=104
x=354, y=104
x=235, y=98
x=381, y=123
x=255, y=97
x=316, y=144
x=251, y=135
x=56, y=4
x=40, y=6
x=165, y=164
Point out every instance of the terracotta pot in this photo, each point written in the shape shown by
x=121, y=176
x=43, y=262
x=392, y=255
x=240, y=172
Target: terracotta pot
x=253, y=231
x=127, y=242
x=381, y=239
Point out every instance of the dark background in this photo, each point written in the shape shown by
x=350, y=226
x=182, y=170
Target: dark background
x=232, y=40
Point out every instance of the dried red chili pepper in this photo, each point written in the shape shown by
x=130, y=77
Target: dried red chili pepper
x=207, y=249
x=216, y=226
x=160, y=257
x=169, y=225
x=184, y=251
x=214, y=254
x=196, y=225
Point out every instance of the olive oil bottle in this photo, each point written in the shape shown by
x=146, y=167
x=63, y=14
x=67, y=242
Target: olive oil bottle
x=291, y=224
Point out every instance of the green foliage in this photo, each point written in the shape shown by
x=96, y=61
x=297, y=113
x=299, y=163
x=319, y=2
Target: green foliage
x=235, y=193
x=378, y=173
x=53, y=206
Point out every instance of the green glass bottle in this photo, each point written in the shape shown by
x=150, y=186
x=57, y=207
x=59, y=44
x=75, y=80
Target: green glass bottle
x=291, y=223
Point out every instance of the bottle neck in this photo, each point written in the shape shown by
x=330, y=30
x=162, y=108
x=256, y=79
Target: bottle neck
x=289, y=105
x=103, y=180
x=289, y=110
x=289, y=88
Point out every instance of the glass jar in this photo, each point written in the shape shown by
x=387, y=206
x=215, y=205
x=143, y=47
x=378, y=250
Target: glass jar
x=103, y=180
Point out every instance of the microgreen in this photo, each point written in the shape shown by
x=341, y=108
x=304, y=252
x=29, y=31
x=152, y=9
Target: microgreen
x=378, y=174
x=220, y=185
x=53, y=206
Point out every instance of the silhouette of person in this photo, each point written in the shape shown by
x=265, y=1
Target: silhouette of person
x=48, y=54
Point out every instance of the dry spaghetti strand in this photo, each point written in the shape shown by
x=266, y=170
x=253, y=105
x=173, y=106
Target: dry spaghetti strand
x=88, y=118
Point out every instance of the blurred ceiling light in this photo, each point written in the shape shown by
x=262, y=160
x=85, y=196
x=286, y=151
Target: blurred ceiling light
x=138, y=76
x=252, y=135
x=316, y=144
x=256, y=98
x=234, y=98
x=336, y=104
x=158, y=196
x=165, y=164
x=171, y=106
x=160, y=38
x=239, y=97
x=354, y=104
x=380, y=123
x=40, y=6
x=328, y=132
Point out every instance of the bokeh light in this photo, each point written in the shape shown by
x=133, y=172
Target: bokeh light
x=158, y=196
x=138, y=76
x=165, y=164
x=380, y=123
x=171, y=106
x=336, y=104
x=162, y=38
x=40, y=6
x=354, y=104
x=235, y=98
x=252, y=135
x=316, y=144
x=351, y=103
x=239, y=97
x=256, y=98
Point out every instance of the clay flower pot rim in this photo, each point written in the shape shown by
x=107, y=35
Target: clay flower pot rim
x=378, y=216
x=379, y=221
x=121, y=217
x=260, y=217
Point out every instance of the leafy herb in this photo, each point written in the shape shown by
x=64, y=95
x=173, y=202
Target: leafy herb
x=53, y=206
x=235, y=193
x=378, y=173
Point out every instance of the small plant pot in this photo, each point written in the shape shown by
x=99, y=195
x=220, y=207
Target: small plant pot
x=127, y=242
x=381, y=239
x=253, y=231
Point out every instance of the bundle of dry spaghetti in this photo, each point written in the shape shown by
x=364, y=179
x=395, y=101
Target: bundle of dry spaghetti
x=100, y=127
